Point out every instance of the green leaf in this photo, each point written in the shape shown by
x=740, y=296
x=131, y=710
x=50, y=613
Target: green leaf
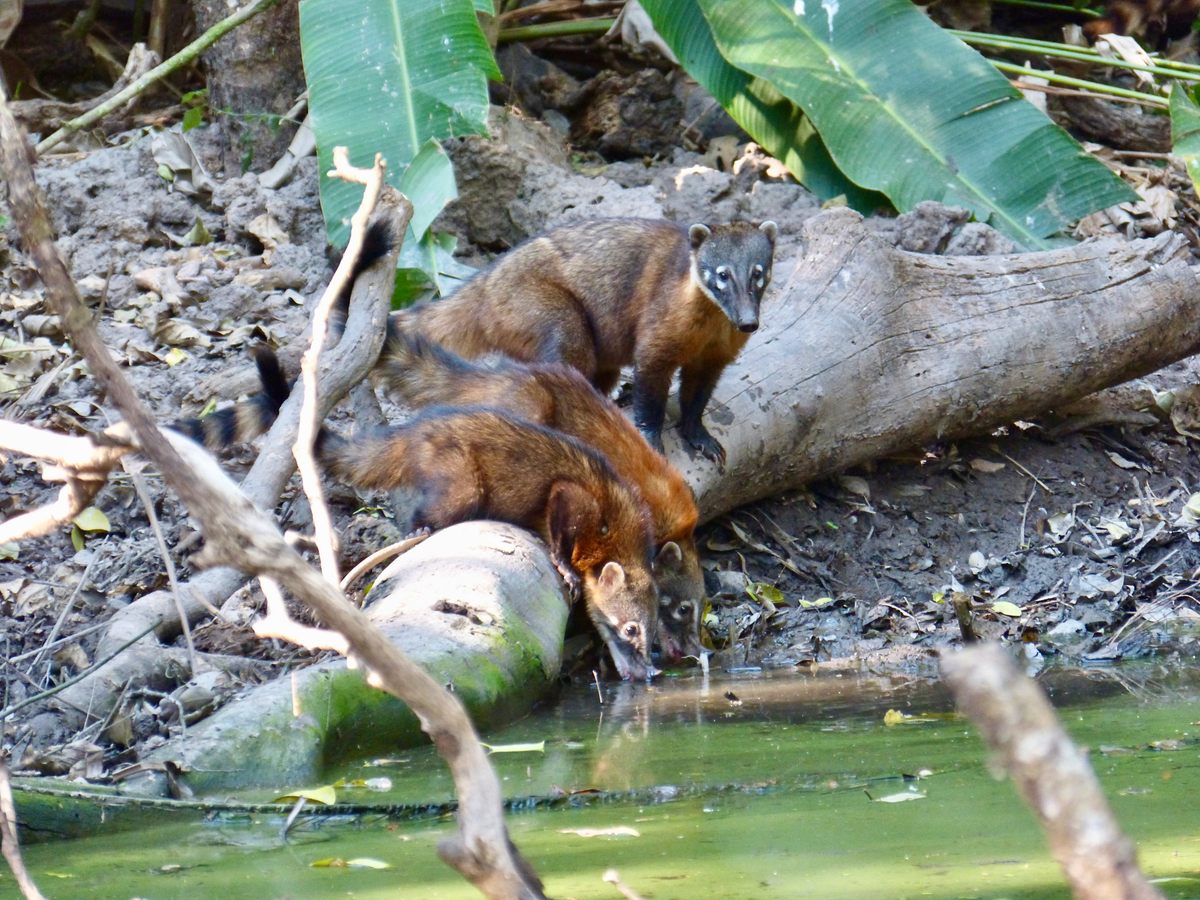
x=1185, y=131
x=77, y=539
x=92, y=519
x=761, y=591
x=908, y=110
x=193, y=117
x=393, y=77
x=774, y=121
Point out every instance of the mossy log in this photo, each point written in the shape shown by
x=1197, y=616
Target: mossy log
x=480, y=606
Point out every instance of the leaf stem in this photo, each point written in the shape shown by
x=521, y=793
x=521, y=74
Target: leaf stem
x=1094, y=87
x=554, y=29
x=1054, y=7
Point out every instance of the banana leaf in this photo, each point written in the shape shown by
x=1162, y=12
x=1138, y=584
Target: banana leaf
x=394, y=77
x=908, y=110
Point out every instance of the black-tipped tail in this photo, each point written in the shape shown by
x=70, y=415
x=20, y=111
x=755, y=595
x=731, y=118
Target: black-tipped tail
x=246, y=420
x=377, y=243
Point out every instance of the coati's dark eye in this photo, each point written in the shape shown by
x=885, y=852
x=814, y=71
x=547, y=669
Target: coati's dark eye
x=758, y=275
x=685, y=610
x=631, y=631
x=722, y=276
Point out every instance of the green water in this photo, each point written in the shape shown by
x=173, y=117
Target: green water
x=766, y=798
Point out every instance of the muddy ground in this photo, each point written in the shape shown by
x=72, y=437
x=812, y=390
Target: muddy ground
x=1072, y=534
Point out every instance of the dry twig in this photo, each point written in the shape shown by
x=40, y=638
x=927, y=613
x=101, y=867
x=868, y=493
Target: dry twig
x=310, y=418
x=1051, y=774
x=8, y=838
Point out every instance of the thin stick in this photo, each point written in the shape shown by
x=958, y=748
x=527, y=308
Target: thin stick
x=372, y=179
x=62, y=616
x=36, y=698
x=8, y=838
x=1039, y=481
x=391, y=550
x=139, y=485
x=180, y=59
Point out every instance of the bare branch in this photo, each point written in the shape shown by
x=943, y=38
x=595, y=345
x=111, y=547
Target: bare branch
x=310, y=420
x=81, y=462
x=8, y=838
x=1050, y=773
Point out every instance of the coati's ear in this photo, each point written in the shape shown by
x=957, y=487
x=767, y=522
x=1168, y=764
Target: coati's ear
x=770, y=229
x=697, y=235
x=569, y=511
x=612, y=577
x=669, y=556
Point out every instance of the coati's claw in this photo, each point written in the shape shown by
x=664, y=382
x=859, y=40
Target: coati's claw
x=423, y=532
x=707, y=446
x=571, y=577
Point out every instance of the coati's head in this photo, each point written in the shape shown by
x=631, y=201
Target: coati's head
x=603, y=533
x=732, y=265
x=680, y=584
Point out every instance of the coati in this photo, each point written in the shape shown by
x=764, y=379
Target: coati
x=477, y=463
x=421, y=373
x=605, y=293
x=1156, y=21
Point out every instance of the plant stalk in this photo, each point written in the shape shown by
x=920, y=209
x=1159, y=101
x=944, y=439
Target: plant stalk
x=554, y=29
x=1090, y=86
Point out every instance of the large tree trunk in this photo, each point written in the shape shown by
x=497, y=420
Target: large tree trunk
x=255, y=75
x=866, y=350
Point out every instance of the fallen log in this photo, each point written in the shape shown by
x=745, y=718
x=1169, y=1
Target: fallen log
x=867, y=350
x=479, y=606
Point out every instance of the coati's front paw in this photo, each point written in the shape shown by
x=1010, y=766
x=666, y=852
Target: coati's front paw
x=571, y=577
x=707, y=446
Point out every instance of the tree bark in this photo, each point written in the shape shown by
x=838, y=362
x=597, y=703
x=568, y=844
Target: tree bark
x=254, y=75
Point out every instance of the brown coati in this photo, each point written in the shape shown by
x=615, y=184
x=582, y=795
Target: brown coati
x=605, y=293
x=477, y=463
x=421, y=373
x=1155, y=21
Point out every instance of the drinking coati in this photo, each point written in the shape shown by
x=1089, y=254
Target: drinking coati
x=478, y=463
x=604, y=293
x=421, y=373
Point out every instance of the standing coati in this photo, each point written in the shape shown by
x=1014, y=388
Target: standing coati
x=601, y=294
x=477, y=463
x=422, y=373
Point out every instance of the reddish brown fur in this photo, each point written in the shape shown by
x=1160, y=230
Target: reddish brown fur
x=1151, y=19
x=471, y=463
x=559, y=397
x=598, y=295
x=561, y=298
